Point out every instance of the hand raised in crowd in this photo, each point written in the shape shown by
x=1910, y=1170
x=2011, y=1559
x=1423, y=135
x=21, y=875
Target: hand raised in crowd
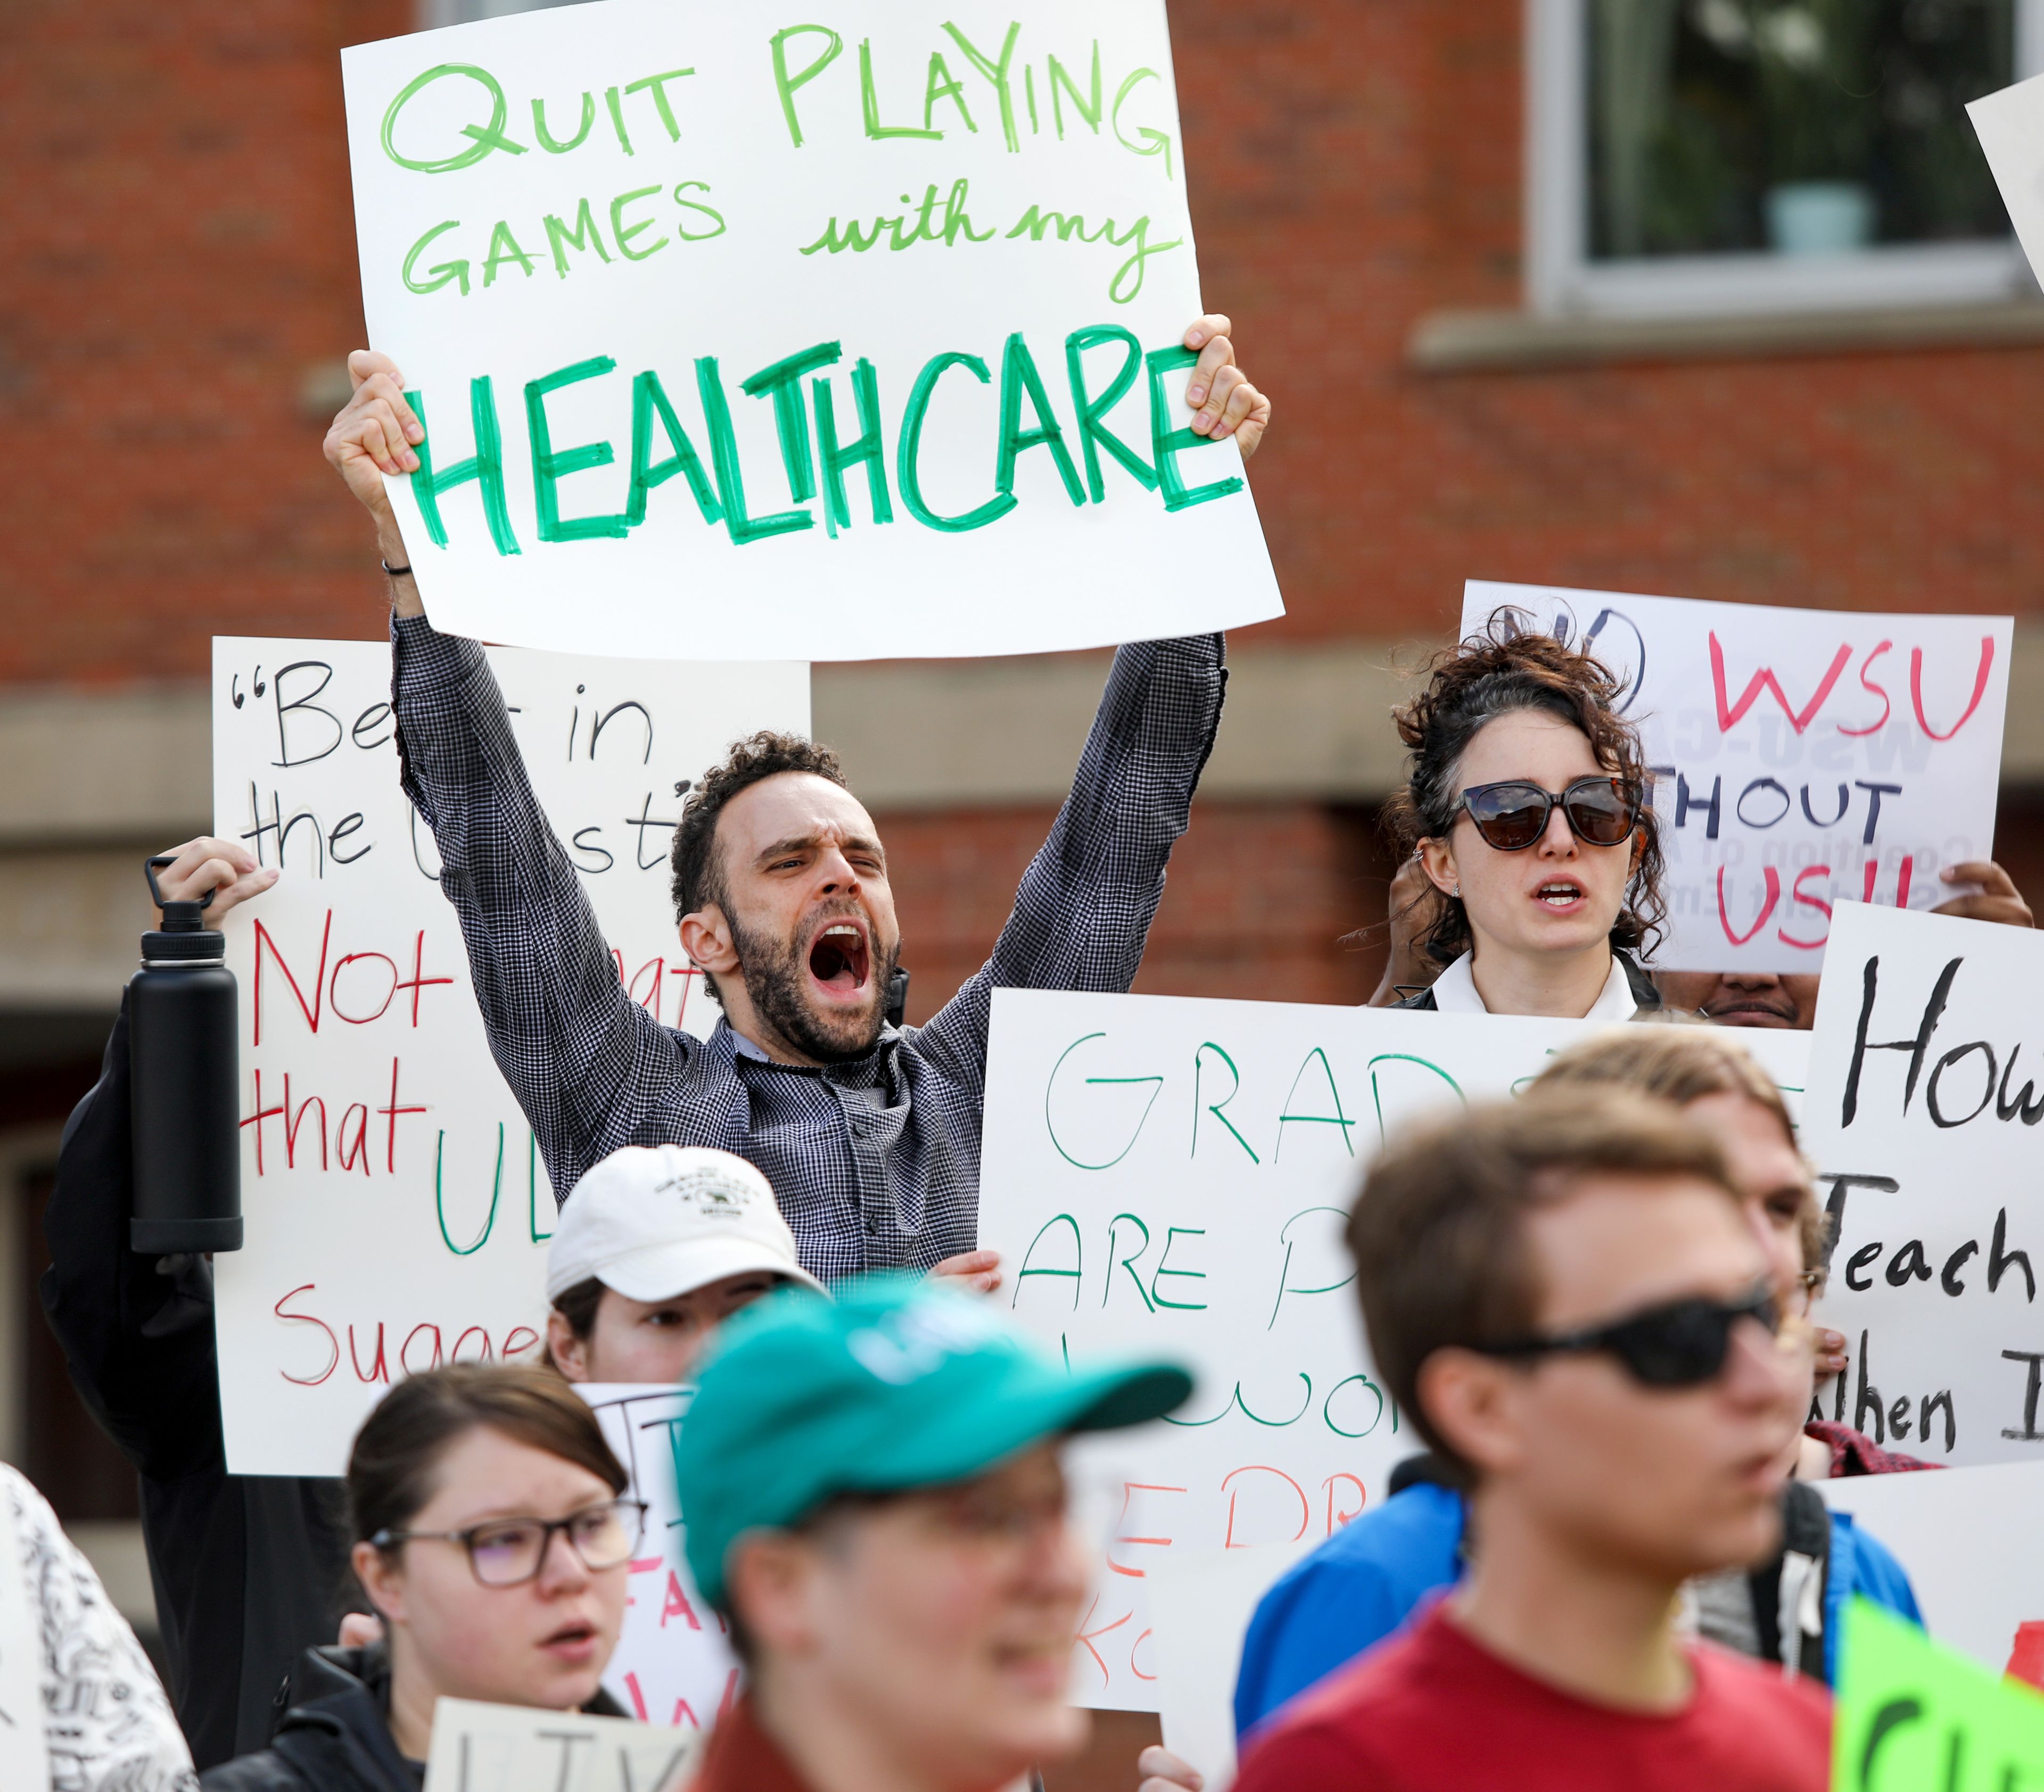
x=372, y=435
x=1413, y=904
x=1996, y=899
x=225, y=867
x=359, y=1629
x=1162, y=1771
x=970, y=1272
x=1227, y=403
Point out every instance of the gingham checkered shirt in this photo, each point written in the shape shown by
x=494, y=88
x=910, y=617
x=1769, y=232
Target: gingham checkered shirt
x=876, y=1161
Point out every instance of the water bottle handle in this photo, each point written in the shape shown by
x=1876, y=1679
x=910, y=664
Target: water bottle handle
x=149, y=871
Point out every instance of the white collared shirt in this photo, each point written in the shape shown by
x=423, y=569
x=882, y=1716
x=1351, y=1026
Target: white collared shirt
x=1455, y=993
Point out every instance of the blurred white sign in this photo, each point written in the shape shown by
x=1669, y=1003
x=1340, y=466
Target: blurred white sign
x=1924, y=1098
x=2011, y=128
x=674, y=1663
x=479, y=1747
x=1964, y=1539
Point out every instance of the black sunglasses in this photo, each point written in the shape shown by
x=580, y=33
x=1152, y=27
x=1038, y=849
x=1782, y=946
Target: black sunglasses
x=1601, y=811
x=1682, y=1345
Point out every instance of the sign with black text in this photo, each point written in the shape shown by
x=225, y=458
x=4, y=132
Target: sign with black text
x=1927, y=1083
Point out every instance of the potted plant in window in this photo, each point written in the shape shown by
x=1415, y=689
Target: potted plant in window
x=1816, y=91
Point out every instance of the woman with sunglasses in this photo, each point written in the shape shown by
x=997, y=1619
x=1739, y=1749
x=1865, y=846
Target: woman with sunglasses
x=1524, y=807
x=491, y=1536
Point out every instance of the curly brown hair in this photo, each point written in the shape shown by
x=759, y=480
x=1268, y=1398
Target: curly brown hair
x=698, y=873
x=1506, y=667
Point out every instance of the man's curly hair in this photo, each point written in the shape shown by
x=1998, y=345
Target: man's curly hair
x=1506, y=667
x=698, y=873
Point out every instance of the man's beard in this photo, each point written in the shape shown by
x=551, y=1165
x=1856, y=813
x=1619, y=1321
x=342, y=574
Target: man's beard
x=774, y=972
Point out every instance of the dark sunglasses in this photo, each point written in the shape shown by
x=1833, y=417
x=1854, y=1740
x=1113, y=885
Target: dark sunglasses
x=1601, y=811
x=1682, y=1345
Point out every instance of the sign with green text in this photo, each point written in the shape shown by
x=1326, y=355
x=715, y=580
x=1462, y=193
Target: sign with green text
x=850, y=331
x=1166, y=1177
x=1914, y=1714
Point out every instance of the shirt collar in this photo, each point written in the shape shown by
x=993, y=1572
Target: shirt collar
x=1455, y=993
x=744, y=1047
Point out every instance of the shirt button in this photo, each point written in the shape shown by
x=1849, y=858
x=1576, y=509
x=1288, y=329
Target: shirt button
x=873, y=1229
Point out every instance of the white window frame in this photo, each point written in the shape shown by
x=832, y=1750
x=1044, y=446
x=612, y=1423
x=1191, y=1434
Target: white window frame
x=1561, y=279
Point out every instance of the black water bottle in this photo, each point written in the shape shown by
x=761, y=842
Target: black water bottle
x=183, y=1075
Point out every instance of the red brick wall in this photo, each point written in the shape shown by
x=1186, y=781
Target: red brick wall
x=1255, y=907
x=179, y=252
x=1356, y=165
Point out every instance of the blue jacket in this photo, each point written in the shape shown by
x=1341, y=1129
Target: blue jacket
x=1364, y=1582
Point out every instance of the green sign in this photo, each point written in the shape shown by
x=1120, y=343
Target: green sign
x=1914, y=1715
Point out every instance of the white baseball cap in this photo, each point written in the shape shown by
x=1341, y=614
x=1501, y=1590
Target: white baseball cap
x=658, y=1222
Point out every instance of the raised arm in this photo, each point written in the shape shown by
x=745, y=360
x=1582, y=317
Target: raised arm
x=582, y=1058
x=1083, y=911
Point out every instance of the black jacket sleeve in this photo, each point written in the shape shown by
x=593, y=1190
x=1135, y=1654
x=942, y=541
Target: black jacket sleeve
x=136, y=1330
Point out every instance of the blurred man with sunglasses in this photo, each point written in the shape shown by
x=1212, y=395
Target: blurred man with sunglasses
x=1564, y=1295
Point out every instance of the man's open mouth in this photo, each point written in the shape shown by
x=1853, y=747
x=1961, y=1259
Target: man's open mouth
x=840, y=958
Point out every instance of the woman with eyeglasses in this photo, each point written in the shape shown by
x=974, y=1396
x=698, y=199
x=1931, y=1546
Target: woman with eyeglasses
x=1524, y=807
x=490, y=1535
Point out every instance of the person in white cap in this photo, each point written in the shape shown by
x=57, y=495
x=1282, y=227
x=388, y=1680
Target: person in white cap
x=656, y=1247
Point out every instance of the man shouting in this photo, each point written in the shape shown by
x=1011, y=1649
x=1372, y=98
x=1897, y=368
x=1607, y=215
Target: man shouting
x=868, y=1132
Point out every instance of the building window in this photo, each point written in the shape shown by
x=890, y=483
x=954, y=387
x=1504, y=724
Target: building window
x=1716, y=156
x=433, y=13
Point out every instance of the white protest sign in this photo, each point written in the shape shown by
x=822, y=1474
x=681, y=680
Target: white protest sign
x=1965, y=1539
x=848, y=338
x=25, y=1760
x=2011, y=128
x=1923, y=1103
x=479, y=1747
x=674, y=1663
x=1200, y=1602
x=1801, y=758
x=396, y=1211
x=1172, y=1177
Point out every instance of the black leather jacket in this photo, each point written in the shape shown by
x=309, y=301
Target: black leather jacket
x=335, y=1736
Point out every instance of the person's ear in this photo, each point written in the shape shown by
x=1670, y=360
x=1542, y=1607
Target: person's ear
x=771, y=1579
x=1437, y=859
x=570, y=1353
x=382, y=1579
x=1475, y=1402
x=706, y=936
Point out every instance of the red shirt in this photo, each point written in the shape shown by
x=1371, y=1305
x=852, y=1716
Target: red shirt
x=743, y=1758
x=1432, y=1711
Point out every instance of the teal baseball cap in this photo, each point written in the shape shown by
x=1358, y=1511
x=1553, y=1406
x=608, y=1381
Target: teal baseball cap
x=893, y=1385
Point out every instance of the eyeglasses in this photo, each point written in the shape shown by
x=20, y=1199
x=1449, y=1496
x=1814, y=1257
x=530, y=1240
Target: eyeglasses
x=1682, y=1345
x=1601, y=811
x=510, y=1552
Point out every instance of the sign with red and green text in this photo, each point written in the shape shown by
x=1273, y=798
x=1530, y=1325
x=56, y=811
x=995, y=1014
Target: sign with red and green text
x=845, y=331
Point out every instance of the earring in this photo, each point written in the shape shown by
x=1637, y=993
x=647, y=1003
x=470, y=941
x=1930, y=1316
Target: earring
x=1456, y=892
